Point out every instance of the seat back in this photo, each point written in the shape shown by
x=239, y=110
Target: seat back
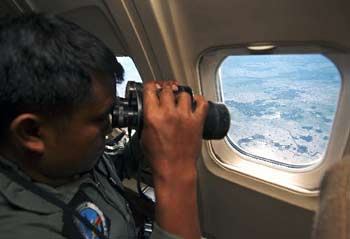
x=332, y=220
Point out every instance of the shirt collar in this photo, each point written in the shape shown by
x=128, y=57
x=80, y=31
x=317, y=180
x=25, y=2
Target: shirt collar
x=19, y=196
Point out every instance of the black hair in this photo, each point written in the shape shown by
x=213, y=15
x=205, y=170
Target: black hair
x=46, y=65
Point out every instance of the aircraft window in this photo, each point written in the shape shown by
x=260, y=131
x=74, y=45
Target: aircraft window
x=282, y=106
x=131, y=73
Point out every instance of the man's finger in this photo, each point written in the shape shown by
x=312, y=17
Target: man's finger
x=150, y=98
x=201, y=107
x=173, y=83
x=167, y=97
x=184, y=102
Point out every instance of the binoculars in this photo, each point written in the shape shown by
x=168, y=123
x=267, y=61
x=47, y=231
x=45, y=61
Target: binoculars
x=128, y=112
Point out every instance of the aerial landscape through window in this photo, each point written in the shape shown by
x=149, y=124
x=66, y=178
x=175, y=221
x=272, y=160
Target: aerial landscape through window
x=282, y=106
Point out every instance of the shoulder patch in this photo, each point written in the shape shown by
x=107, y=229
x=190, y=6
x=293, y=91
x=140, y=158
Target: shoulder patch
x=74, y=228
x=95, y=216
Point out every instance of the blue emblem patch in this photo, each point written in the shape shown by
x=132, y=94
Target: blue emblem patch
x=95, y=216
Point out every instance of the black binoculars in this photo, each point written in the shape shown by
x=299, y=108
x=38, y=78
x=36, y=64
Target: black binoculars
x=128, y=112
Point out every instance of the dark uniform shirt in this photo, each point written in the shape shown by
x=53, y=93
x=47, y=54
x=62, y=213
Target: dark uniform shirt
x=24, y=214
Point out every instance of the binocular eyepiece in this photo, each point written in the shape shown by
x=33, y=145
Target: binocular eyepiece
x=128, y=112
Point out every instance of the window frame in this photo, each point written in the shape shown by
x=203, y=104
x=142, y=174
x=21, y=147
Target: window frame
x=305, y=181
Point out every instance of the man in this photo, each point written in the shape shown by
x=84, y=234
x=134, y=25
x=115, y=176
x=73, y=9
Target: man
x=57, y=92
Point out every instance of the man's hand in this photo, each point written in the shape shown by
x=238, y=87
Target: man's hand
x=171, y=137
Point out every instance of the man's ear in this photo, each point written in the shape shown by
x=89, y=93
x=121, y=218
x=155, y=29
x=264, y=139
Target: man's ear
x=27, y=132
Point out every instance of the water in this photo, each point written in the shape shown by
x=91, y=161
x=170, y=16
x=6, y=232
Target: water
x=282, y=106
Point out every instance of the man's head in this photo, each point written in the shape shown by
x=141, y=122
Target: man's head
x=55, y=78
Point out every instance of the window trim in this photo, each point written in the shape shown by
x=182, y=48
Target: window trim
x=299, y=182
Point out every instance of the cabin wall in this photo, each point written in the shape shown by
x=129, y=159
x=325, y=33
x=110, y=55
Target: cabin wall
x=231, y=211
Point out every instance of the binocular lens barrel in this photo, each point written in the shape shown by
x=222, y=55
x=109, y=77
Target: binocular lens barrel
x=217, y=122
